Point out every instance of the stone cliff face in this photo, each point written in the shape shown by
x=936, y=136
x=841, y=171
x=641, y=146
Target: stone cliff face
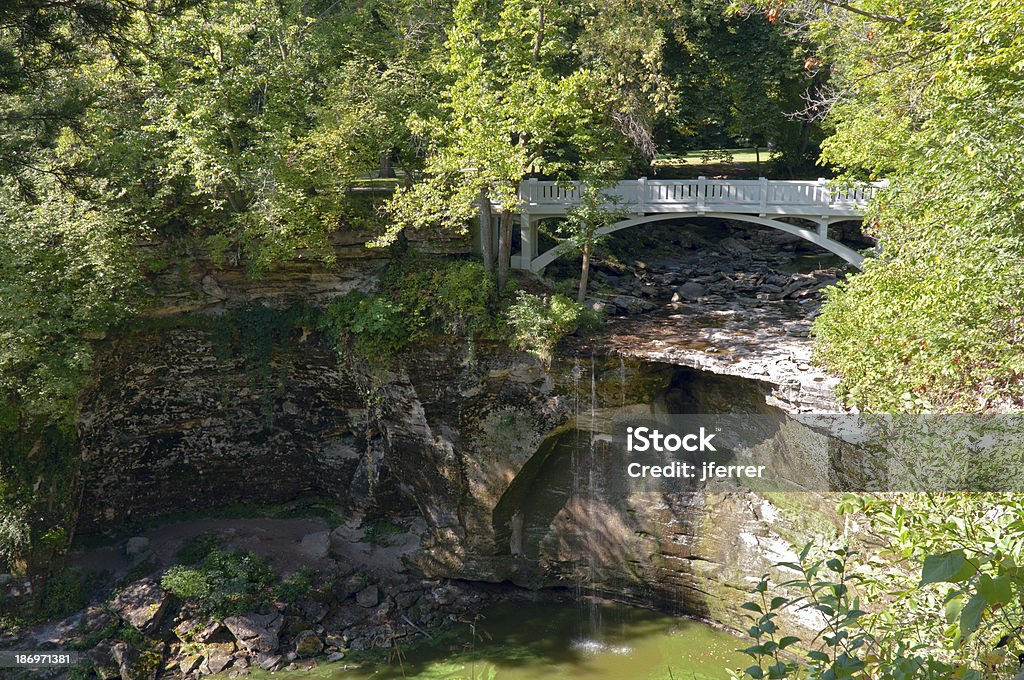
x=487, y=445
x=216, y=402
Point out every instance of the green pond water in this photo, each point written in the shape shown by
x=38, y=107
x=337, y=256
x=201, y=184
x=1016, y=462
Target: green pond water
x=560, y=641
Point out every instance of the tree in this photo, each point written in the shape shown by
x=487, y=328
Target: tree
x=583, y=224
x=521, y=97
x=927, y=95
x=738, y=79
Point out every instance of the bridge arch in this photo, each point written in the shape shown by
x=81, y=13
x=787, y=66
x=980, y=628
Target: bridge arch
x=819, y=237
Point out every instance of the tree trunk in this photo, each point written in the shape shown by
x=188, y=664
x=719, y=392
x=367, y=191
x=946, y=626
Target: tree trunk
x=584, y=274
x=757, y=157
x=805, y=137
x=486, y=231
x=504, y=248
x=386, y=170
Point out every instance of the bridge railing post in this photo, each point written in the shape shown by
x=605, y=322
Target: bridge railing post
x=702, y=186
x=764, y=195
x=824, y=193
x=641, y=196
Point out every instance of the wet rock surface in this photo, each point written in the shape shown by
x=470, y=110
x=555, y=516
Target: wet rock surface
x=732, y=306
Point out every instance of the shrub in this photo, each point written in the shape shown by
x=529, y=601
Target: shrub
x=298, y=586
x=538, y=325
x=65, y=593
x=371, y=325
x=422, y=296
x=186, y=583
x=226, y=582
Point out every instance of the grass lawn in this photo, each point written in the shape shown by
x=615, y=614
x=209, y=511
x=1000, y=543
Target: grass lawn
x=711, y=164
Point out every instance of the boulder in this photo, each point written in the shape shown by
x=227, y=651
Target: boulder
x=691, y=290
x=269, y=662
x=218, y=657
x=103, y=663
x=797, y=282
x=368, y=597
x=143, y=605
x=136, y=547
x=92, y=623
x=632, y=305
x=256, y=632
x=190, y=663
x=308, y=643
x=135, y=665
x=315, y=546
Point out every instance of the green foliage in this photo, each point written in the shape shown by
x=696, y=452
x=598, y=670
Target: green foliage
x=532, y=86
x=538, y=324
x=931, y=100
x=65, y=592
x=298, y=586
x=422, y=297
x=226, y=582
x=186, y=583
x=38, y=486
x=67, y=273
x=736, y=80
x=942, y=574
x=370, y=325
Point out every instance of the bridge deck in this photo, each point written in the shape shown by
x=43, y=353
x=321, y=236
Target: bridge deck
x=760, y=201
x=757, y=196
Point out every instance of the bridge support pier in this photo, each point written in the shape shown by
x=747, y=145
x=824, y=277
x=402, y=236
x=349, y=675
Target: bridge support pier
x=527, y=240
x=823, y=227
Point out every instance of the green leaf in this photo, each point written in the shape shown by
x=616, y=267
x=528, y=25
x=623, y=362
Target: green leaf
x=995, y=590
x=971, y=615
x=953, y=608
x=787, y=641
x=950, y=567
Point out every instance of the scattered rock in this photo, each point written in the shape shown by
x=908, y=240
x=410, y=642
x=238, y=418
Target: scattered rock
x=190, y=663
x=103, y=663
x=256, y=632
x=308, y=644
x=269, y=662
x=91, y=623
x=443, y=596
x=690, y=290
x=315, y=546
x=335, y=657
x=133, y=664
x=143, y=604
x=136, y=547
x=368, y=597
x=219, y=655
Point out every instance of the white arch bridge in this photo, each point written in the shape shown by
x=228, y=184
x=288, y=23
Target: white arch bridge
x=759, y=201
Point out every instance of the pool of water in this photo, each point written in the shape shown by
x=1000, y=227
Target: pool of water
x=560, y=641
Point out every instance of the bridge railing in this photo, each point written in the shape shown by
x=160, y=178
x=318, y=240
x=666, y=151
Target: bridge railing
x=757, y=195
